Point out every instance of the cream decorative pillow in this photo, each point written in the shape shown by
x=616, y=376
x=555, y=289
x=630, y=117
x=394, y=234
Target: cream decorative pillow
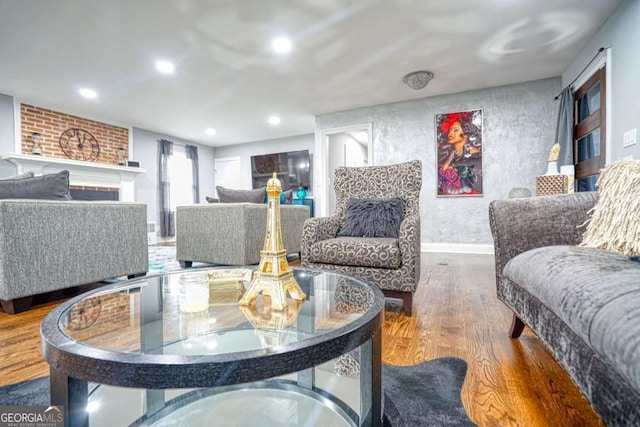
x=615, y=219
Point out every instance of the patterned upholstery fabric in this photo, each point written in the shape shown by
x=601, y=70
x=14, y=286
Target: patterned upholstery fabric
x=351, y=300
x=392, y=265
x=368, y=252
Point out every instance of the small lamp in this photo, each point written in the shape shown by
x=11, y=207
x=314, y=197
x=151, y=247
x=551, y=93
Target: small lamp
x=35, y=136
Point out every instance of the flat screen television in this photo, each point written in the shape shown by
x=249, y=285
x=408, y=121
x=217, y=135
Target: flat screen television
x=293, y=169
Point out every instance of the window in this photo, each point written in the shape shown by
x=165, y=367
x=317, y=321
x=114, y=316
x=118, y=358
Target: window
x=178, y=182
x=589, y=131
x=180, y=178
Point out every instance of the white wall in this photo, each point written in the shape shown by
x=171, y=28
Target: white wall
x=7, y=123
x=621, y=32
x=518, y=132
x=245, y=151
x=7, y=133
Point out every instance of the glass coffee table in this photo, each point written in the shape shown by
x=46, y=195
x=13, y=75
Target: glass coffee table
x=138, y=352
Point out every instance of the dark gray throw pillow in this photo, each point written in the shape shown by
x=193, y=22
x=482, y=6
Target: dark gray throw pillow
x=53, y=186
x=288, y=197
x=373, y=218
x=240, y=196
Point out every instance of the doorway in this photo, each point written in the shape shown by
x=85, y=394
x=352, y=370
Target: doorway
x=228, y=173
x=344, y=146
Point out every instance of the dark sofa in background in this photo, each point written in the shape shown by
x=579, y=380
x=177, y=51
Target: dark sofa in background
x=257, y=195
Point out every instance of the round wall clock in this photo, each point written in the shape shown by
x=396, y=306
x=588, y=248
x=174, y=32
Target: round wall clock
x=85, y=313
x=79, y=144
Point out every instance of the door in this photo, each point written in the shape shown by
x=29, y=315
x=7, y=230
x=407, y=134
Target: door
x=348, y=146
x=228, y=172
x=589, y=131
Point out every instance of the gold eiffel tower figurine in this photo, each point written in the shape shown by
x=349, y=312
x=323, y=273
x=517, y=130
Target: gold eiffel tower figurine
x=273, y=277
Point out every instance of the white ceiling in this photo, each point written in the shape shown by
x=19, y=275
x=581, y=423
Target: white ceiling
x=346, y=54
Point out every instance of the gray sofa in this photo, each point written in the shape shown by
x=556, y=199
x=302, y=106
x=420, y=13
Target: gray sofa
x=232, y=233
x=583, y=303
x=48, y=245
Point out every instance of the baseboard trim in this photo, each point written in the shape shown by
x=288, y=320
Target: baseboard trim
x=458, y=248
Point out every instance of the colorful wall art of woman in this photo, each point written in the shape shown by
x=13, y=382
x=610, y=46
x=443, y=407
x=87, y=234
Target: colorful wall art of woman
x=459, y=137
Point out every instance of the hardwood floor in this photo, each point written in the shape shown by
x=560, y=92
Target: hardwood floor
x=456, y=313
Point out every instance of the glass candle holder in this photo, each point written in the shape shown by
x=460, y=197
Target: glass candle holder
x=194, y=292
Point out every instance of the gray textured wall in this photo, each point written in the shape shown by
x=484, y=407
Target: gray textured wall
x=519, y=127
x=621, y=33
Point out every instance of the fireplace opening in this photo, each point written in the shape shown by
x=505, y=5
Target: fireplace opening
x=94, y=193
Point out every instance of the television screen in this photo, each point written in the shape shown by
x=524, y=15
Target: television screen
x=293, y=169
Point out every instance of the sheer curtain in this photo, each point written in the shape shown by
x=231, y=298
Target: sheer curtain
x=167, y=219
x=192, y=154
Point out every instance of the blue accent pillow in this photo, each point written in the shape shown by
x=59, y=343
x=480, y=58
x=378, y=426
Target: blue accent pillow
x=373, y=218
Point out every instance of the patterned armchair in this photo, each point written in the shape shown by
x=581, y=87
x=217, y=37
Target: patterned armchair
x=391, y=264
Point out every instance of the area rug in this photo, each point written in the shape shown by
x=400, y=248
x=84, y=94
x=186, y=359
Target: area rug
x=162, y=259
x=426, y=395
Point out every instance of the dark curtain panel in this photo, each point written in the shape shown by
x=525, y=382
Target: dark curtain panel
x=192, y=153
x=564, y=128
x=167, y=223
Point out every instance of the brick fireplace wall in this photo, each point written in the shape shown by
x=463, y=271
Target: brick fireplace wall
x=51, y=124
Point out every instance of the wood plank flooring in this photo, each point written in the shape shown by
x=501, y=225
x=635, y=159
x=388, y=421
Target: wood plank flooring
x=456, y=313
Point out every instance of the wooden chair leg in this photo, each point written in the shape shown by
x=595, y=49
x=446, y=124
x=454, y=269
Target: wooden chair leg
x=406, y=297
x=517, y=326
x=407, y=302
x=17, y=305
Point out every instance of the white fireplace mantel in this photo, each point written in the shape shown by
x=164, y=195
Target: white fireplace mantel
x=87, y=174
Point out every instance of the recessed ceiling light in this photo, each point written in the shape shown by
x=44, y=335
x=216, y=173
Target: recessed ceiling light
x=274, y=120
x=281, y=45
x=210, y=131
x=165, y=67
x=88, y=93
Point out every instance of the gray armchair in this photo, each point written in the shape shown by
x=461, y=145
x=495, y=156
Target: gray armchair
x=232, y=233
x=392, y=264
x=49, y=245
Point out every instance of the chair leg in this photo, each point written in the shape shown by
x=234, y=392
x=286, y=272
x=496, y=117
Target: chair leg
x=17, y=305
x=185, y=264
x=406, y=297
x=407, y=302
x=517, y=326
